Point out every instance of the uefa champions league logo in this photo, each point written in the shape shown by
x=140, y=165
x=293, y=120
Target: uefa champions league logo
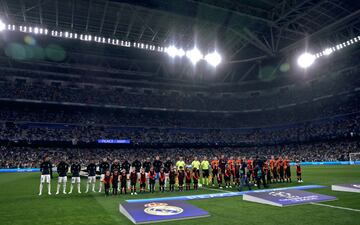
x=162, y=209
x=288, y=197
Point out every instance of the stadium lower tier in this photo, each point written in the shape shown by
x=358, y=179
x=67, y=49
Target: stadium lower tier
x=29, y=157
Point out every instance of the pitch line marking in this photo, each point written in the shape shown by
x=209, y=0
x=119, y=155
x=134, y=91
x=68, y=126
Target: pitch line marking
x=336, y=207
x=220, y=190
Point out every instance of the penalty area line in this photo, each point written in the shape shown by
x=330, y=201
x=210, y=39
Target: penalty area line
x=335, y=207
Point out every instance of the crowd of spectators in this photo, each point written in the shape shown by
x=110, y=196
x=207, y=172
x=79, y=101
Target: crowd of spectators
x=185, y=100
x=338, y=127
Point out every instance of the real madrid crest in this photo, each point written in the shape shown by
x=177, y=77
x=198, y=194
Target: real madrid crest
x=162, y=209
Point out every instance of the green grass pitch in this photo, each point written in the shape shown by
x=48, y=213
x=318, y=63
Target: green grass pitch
x=20, y=204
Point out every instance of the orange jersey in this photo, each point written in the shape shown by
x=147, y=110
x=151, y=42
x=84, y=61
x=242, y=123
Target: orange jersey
x=214, y=164
x=238, y=161
x=278, y=164
x=250, y=164
x=231, y=164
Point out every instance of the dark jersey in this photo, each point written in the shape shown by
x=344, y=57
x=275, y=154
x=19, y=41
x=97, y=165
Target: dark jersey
x=126, y=166
x=157, y=165
x=167, y=166
x=75, y=170
x=146, y=166
x=46, y=168
x=222, y=164
x=91, y=169
x=115, y=166
x=137, y=165
x=133, y=177
x=104, y=166
x=123, y=179
x=115, y=179
x=172, y=177
x=181, y=176
x=62, y=169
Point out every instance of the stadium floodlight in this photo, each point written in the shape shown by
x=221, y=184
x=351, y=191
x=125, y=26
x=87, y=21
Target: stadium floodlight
x=194, y=55
x=2, y=25
x=213, y=59
x=328, y=51
x=305, y=60
x=36, y=30
x=172, y=51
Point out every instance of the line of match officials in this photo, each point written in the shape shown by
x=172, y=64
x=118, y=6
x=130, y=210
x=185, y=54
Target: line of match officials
x=125, y=177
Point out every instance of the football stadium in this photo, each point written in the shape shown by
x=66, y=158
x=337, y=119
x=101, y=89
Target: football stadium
x=179, y=112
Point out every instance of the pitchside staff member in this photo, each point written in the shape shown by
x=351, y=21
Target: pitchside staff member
x=104, y=166
x=91, y=169
x=75, y=171
x=46, y=171
x=62, y=169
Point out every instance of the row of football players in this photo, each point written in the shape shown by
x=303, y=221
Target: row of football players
x=237, y=172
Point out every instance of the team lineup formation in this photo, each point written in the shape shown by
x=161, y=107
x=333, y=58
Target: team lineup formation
x=169, y=176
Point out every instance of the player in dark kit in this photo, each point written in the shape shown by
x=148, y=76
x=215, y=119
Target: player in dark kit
x=227, y=177
x=222, y=164
x=126, y=166
x=172, y=179
x=46, y=171
x=298, y=172
x=123, y=181
x=281, y=169
x=187, y=178
x=133, y=180
x=219, y=179
x=147, y=165
x=181, y=176
x=115, y=166
x=152, y=177
x=104, y=166
x=91, y=169
x=288, y=171
x=62, y=169
x=167, y=167
x=115, y=182
x=137, y=165
x=142, y=181
x=107, y=181
x=162, y=180
x=75, y=178
x=157, y=164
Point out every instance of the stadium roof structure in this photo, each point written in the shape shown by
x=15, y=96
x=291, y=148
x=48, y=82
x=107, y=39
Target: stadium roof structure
x=249, y=34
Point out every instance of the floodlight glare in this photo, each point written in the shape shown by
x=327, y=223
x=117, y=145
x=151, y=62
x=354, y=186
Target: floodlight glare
x=2, y=25
x=194, y=55
x=172, y=51
x=328, y=51
x=305, y=60
x=213, y=59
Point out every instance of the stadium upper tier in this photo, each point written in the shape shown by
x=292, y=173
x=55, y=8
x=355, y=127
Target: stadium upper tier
x=184, y=101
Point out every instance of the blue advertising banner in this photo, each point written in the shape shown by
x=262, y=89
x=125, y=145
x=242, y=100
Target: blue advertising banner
x=286, y=197
x=222, y=195
x=346, y=187
x=140, y=213
x=19, y=170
